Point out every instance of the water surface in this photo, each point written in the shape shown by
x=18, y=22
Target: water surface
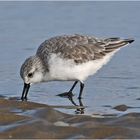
x=25, y=25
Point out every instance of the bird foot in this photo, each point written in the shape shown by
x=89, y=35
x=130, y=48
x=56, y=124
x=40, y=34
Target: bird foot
x=24, y=98
x=80, y=111
x=66, y=95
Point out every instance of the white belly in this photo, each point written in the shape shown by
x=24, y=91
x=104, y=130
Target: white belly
x=60, y=69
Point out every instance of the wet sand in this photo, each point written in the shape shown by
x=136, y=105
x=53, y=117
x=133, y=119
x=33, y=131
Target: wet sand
x=32, y=120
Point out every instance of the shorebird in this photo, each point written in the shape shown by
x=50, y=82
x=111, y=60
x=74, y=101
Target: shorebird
x=69, y=58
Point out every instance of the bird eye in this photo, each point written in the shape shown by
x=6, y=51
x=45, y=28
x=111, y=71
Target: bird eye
x=30, y=75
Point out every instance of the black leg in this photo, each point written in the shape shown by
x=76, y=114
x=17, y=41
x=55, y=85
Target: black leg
x=73, y=86
x=81, y=90
x=68, y=94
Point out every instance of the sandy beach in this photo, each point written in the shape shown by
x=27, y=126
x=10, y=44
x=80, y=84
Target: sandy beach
x=32, y=120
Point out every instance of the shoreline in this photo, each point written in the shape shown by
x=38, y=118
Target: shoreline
x=33, y=120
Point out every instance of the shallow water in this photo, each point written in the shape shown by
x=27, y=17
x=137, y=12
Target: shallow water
x=25, y=25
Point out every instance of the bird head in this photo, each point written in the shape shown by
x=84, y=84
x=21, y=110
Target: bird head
x=31, y=72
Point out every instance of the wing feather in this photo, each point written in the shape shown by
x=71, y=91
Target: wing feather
x=78, y=47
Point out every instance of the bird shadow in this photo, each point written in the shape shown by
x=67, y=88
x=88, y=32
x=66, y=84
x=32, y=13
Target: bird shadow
x=80, y=108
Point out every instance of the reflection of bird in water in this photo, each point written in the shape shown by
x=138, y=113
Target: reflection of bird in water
x=80, y=108
x=69, y=58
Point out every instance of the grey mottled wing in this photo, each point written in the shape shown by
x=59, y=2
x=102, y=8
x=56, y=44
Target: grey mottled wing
x=82, y=53
x=78, y=47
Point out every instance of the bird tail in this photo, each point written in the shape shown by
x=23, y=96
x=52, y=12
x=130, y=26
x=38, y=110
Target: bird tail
x=115, y=43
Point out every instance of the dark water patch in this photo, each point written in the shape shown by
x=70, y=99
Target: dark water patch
x=123, y=107
x=107, y=106
x=133, y=88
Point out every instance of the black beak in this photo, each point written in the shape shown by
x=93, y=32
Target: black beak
x=25, y=91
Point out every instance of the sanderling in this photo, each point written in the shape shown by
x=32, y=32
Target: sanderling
x=69, y=58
